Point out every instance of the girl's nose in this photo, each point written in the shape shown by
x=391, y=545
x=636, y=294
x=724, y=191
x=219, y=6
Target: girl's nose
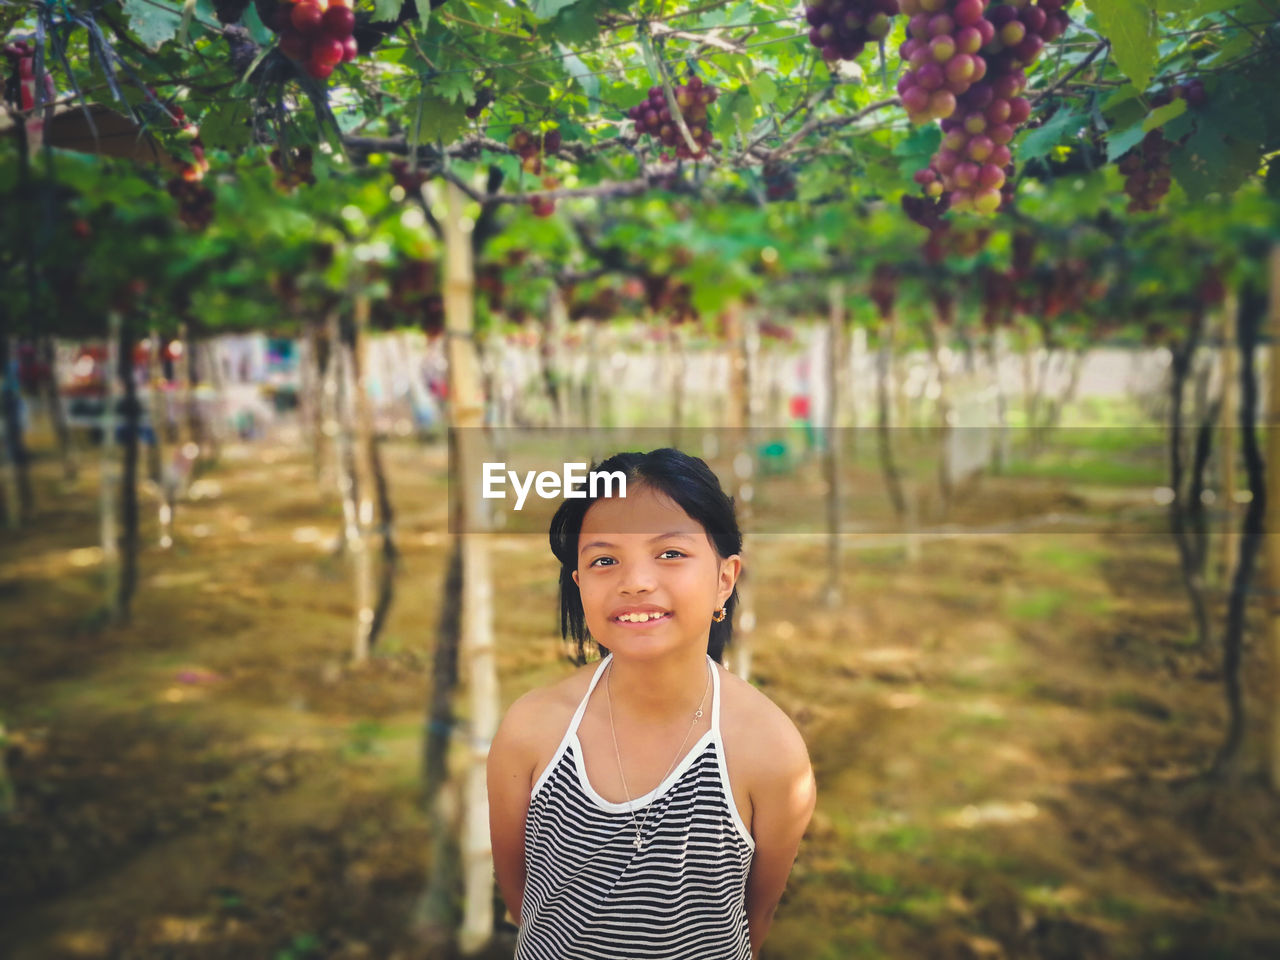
x=637, y=578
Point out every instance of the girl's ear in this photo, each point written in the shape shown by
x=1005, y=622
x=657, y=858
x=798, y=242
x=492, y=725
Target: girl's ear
x=575, y=580
x=730, y=569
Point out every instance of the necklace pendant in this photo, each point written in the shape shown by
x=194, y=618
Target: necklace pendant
x=636, y=841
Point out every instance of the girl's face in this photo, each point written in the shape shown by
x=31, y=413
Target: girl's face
x=645, y=555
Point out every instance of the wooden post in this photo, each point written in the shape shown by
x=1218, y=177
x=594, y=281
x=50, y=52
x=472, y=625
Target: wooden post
x=108, y=478
x=832, y=448
x=58, y=412
x=362, y=470
x=480, y=670
x=1227, y=448
x=739, y=422
x=1272, y=522
x=161, y=472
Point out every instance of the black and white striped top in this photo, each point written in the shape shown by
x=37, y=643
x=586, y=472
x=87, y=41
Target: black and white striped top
x=591, y=895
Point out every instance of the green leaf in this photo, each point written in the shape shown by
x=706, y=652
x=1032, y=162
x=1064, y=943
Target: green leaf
x=454, y=85
x=576, y=24
x=257, y=29
x=1123, y=95
x=386, y=10
x=1118, y=144
x=1036, y=143
x=589, y=82
x=546, y=9
x=154, y=21
x=1213, y=161
x=188, y=11
x=923, y=140
x=424, y=13
x=1162, y=115
x=1130, y=26
x=441, y=120
x=737, y=111
x=763, y=89
x=1204, y=7
x=227, y=126
x=1121, y=142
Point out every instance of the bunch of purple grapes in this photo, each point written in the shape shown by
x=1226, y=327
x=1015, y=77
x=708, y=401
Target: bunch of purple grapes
x=979, y=120
x=653, y=116
x=841, y=29
x=1147, y=174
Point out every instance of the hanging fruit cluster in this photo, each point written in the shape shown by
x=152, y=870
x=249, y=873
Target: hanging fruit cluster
x=316, y=34
x=407, y=178
x=296, y=171
x=841, y=29
x=653, y=116
x=530, y=147
x=195, y=198
x=1147, y=173
x=968, y=61
x=545, y=206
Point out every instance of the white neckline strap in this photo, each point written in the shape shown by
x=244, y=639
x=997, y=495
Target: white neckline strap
x=715, y=699
x=582, y=704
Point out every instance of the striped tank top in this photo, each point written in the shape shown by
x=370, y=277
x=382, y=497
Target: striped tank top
x=591, y=895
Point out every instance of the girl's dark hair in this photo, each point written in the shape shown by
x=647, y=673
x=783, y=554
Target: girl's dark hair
x=689, y=482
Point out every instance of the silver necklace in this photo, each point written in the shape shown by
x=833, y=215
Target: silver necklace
x=639, y=824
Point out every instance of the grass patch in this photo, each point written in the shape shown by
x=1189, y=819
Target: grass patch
x=904, y=838
x=1067, y=558
x=1037, y=604
x=1089, y=470
x=1120, y=909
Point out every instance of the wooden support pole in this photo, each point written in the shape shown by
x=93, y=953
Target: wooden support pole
x=1272, y=521
x=479, y=667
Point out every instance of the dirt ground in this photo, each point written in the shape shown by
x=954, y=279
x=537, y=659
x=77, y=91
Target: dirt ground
x=999, y=730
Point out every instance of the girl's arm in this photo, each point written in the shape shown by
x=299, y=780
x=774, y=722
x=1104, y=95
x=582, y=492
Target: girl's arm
x=509, y=769
x=783, y=797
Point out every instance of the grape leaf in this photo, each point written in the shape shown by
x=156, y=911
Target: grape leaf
x=1118, y=144
x=455, y=85
x=424, y=13
x=576, y=24
x=546, y=9
x=1036, y=143
x=1162, y=115
x=386, y=10
x=1130, y=26
x=737, y=109
x=441, y=120
x=1213, y=161
x=763, y=89
x=586, y=79
x=227, y=125
x=924, y=140
x=155, y=22
x=257, y=29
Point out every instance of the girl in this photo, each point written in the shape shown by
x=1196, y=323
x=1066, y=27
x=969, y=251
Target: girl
x=613, y=839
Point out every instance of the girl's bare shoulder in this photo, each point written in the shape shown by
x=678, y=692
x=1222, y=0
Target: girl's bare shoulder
x=761, y=730
x=544, y=712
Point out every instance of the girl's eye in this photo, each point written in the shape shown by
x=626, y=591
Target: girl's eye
x=596, y=561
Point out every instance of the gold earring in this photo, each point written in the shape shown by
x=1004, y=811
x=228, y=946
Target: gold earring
x=719, y=615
